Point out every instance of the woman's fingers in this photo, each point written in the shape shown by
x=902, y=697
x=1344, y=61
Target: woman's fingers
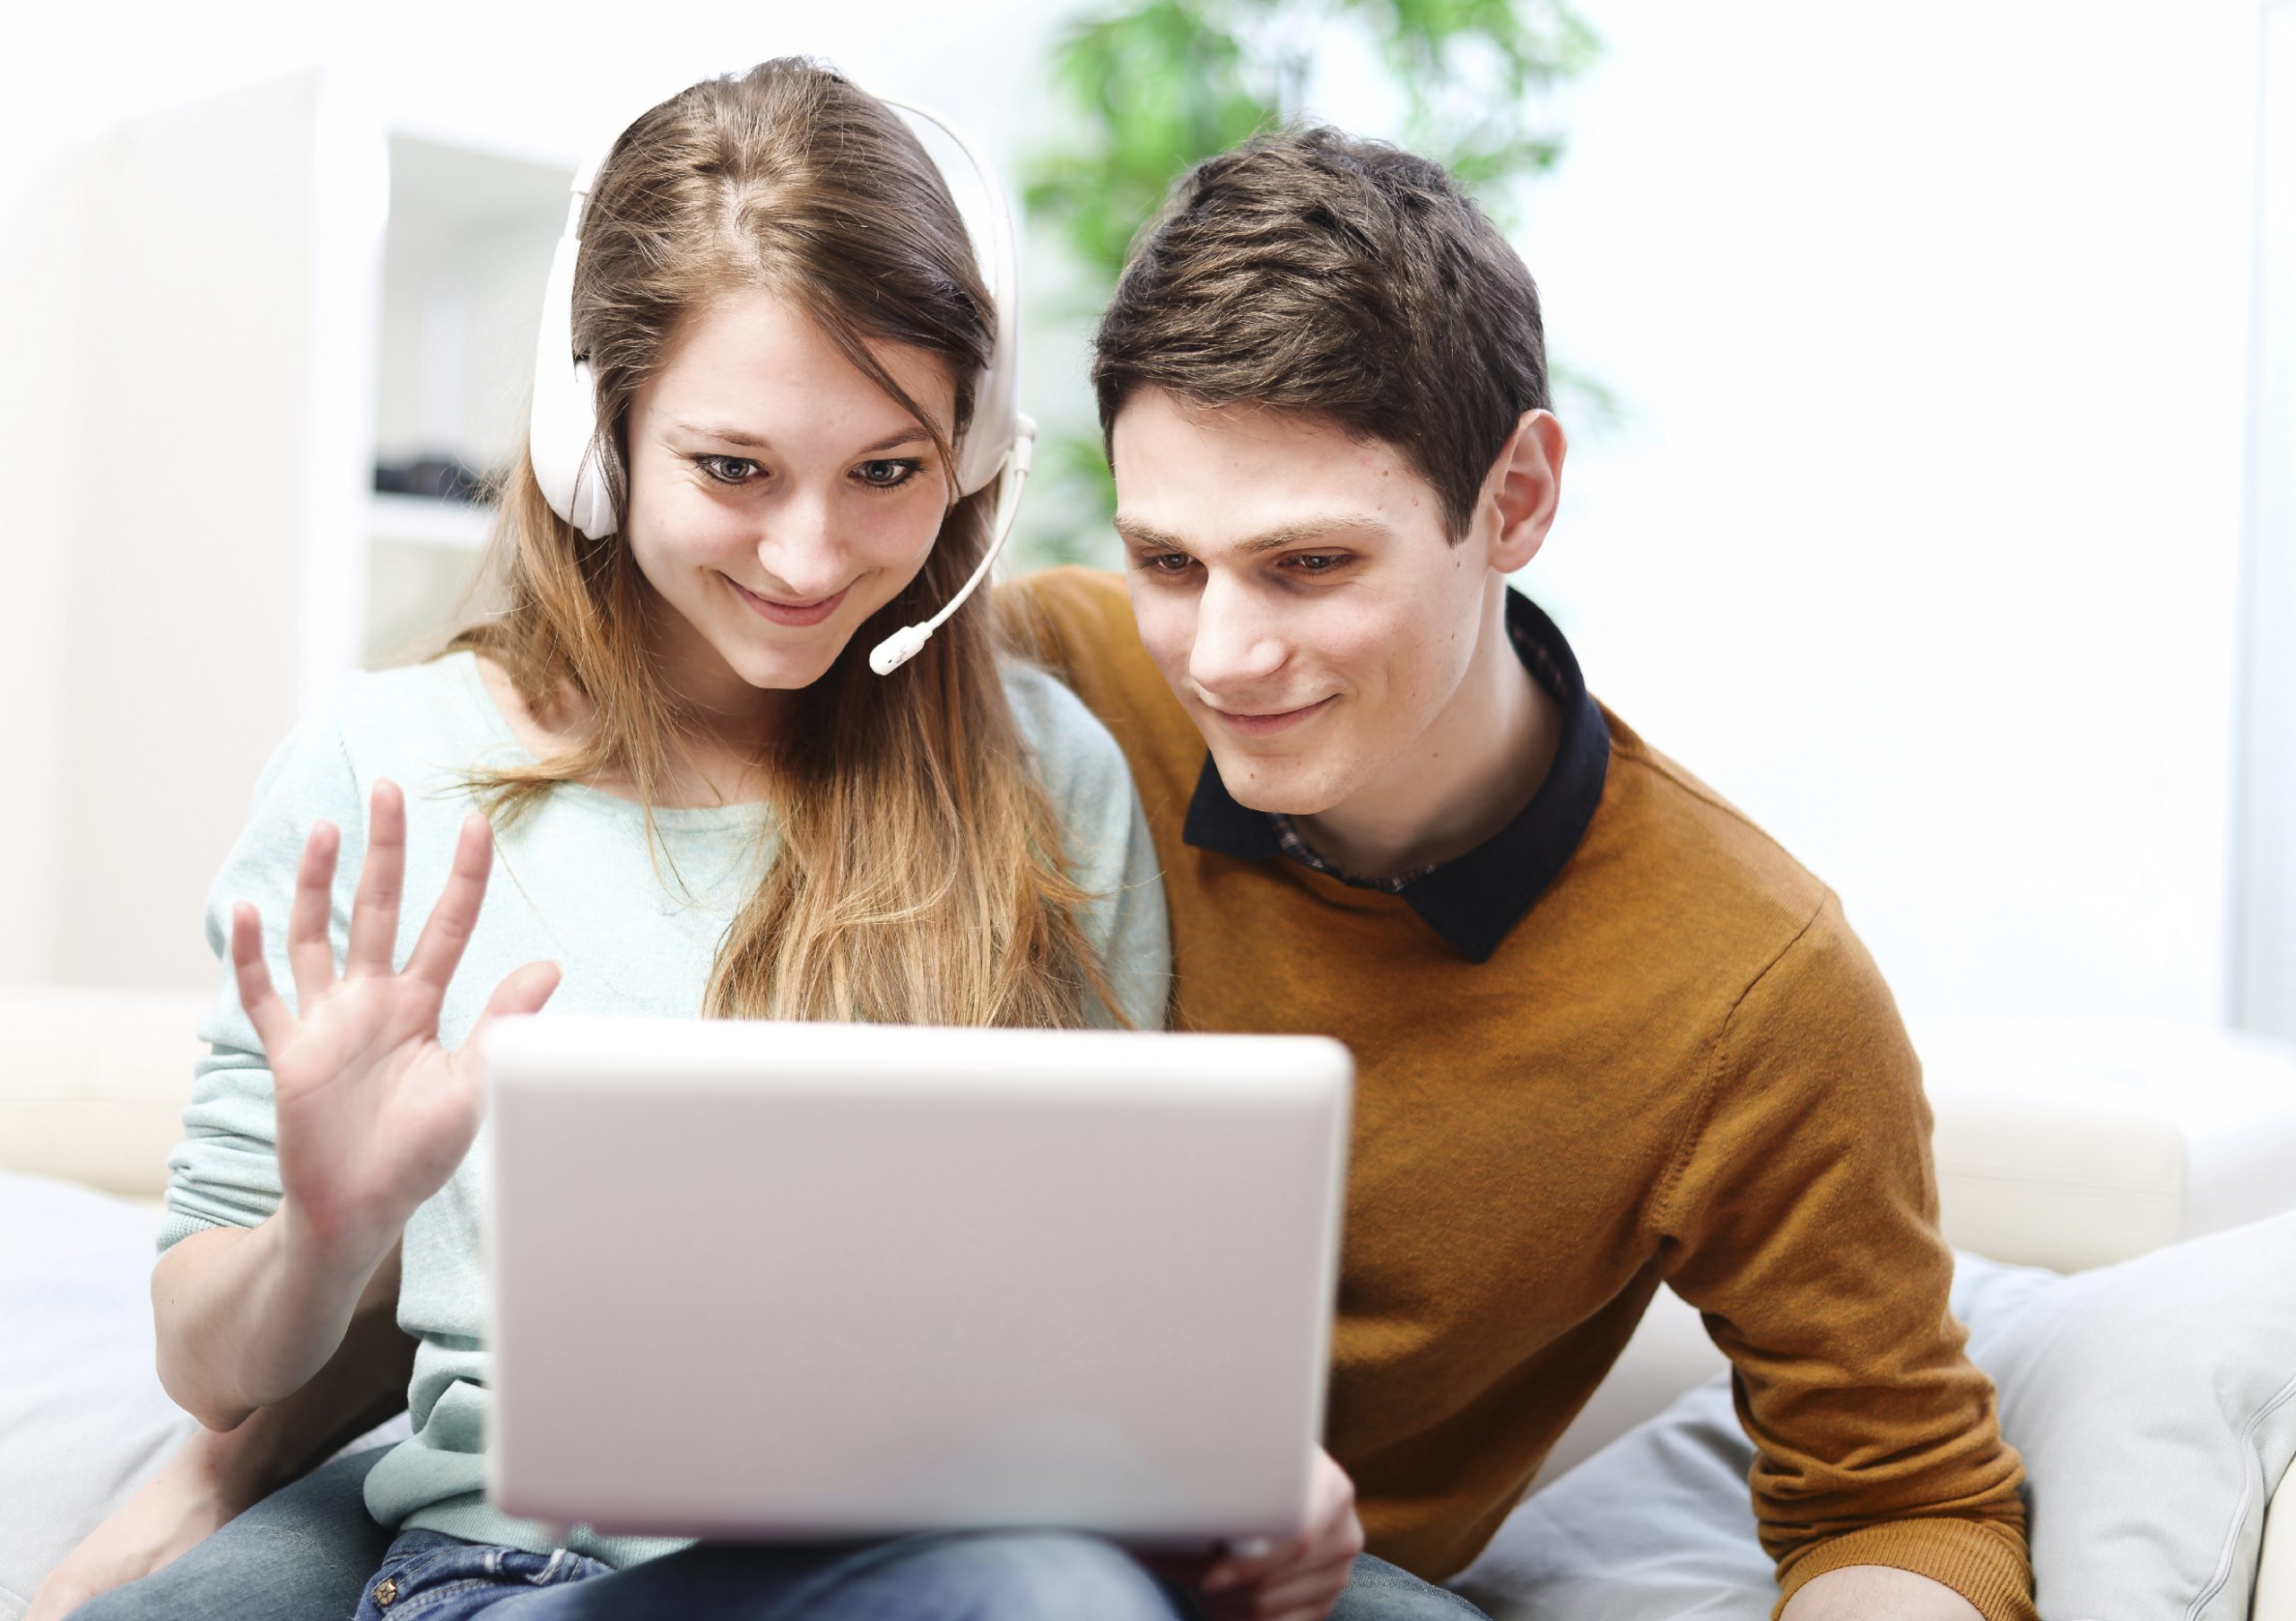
x=310, y=948
x=452, y=920
x=273, y=1022
x=522, y=990
x=374, y=911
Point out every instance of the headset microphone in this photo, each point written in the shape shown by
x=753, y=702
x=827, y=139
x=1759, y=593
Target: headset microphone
x=563, y=435
x=904, y=644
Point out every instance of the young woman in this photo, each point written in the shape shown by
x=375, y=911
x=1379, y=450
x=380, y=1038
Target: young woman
x=695, y=798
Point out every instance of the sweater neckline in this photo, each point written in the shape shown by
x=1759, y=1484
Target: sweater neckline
x=505, y=744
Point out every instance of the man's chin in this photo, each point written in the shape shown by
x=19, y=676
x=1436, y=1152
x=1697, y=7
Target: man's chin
x=1275, y=790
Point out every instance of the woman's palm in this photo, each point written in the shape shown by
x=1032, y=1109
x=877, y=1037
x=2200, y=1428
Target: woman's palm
x=374, y=1112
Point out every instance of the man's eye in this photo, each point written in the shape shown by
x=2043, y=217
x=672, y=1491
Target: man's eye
x=1318, y=563
x=727, y=469
x=888, y=475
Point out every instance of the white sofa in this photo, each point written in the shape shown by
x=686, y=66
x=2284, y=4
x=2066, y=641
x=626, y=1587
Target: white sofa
x=2066, y=1146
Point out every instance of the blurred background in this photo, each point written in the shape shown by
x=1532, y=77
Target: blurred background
x=1931, y=375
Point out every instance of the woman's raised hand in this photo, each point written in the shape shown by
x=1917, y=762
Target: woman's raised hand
x=374, y=1113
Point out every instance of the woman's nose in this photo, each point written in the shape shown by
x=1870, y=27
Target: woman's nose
x=799, y=550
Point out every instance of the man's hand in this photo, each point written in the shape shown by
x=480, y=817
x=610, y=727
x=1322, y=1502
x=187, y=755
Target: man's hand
x=1878, y=1592
x=1299, y=1580
x=176, y=1509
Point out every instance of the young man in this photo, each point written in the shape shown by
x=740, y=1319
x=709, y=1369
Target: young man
x=1608, y=1035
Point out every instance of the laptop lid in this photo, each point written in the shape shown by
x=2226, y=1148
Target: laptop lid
x=757, y=1280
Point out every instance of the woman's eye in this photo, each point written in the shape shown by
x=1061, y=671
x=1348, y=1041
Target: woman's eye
x=888, y=475
x=727, y=469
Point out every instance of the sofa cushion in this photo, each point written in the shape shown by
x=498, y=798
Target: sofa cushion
x=2155, y=1403
x=82, y=1419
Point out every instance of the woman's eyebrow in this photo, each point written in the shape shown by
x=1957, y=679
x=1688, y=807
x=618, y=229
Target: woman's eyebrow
x=731, y=436
x=910, y=434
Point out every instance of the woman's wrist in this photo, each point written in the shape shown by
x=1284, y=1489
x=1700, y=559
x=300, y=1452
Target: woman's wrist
x=328, y=1254
x=246, y=1316
x=228, y=1471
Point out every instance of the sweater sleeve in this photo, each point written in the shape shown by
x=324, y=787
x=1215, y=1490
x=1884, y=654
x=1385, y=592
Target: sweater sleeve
x=225, y=1171
x=1801, y=1220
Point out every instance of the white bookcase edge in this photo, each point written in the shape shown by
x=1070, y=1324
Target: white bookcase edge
x=423, y=520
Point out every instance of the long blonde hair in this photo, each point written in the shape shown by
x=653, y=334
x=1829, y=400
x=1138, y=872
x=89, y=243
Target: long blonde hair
x=918, y=876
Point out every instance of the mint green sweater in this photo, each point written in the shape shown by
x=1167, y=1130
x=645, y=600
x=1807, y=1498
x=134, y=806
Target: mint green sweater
x=574, y=882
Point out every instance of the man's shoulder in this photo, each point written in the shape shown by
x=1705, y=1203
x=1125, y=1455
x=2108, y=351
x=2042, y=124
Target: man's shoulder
x=1670, y=845
x=1069, y=593
x=1725, y=930
x=1077, y=624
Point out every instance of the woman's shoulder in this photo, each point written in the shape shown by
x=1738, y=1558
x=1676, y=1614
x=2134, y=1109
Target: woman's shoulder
x=387, y=714
x=1075, y=753
x=404, y=722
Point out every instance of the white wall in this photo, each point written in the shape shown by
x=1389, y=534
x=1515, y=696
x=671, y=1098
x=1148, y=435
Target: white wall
x=1921, y=539
x=36, y=449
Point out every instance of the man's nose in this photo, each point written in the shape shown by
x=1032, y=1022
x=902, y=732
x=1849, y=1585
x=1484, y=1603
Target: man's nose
x=1237, y=641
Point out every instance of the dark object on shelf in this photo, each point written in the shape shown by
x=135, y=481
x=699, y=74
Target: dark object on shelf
x=431, y=476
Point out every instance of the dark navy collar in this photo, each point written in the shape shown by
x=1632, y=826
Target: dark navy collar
x=1474, y=900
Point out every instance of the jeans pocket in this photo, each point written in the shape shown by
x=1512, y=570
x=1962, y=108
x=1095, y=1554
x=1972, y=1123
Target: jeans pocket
x=549, y=1570
x=430, y=1574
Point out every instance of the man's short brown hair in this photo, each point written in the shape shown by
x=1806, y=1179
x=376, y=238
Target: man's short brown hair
x=1315, y=272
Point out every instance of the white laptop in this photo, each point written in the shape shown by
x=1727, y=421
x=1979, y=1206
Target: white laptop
x=763, y=1280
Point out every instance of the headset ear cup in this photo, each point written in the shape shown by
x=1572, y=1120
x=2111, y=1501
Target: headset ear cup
x=592, y=500
x=593, y=507
x=563, y=428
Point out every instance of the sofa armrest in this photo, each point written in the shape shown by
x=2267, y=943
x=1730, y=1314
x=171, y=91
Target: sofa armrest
x=2073, y=1145
x=92, y=1083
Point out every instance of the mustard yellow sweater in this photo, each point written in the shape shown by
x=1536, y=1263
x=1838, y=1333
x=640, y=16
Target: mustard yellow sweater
x=1678, y=1066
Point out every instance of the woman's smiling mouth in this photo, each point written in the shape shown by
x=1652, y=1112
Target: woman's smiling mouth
x=786, y=613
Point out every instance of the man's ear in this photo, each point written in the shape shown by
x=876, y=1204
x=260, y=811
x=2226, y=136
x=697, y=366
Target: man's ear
x=1525, y=485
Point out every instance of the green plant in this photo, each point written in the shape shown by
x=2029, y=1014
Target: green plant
x=1152, y=87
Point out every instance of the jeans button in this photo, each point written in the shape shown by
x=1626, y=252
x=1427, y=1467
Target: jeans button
x=385, y=1590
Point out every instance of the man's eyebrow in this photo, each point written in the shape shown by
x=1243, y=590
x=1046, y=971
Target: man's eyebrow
x=910, y=434
x=1330, y=526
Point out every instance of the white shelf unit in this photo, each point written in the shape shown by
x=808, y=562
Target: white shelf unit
x=279, y=290
x=417, y=520
x=465, y=251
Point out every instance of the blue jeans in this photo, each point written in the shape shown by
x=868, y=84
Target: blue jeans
x=307, y=1554
x=300, y=1554
x=1002, y=1576
x=985, y=1576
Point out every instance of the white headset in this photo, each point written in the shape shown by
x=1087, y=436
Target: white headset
x=563, y=435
